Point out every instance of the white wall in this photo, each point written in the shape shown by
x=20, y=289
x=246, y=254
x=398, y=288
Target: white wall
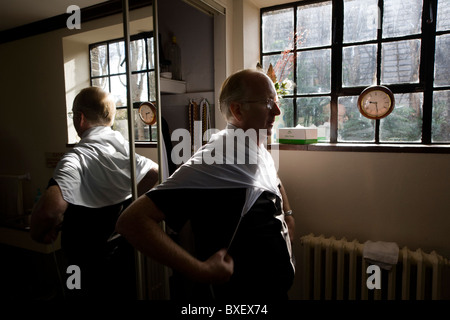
x=371, y=196
x=33, y=105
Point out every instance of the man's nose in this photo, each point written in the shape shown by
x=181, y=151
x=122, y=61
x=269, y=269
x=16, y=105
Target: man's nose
x=276, y=108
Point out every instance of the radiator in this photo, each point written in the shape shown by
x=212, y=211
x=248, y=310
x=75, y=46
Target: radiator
x=334, y=269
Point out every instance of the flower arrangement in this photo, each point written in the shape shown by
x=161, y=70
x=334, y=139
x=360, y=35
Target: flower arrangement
x=283, y=67
x=282, y=87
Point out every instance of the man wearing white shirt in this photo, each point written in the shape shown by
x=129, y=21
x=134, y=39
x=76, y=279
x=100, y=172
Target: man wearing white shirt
x=90, y=188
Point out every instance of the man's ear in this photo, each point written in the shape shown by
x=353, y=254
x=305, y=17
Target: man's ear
x=83, y=123
x=83, y=120
x=236, y=110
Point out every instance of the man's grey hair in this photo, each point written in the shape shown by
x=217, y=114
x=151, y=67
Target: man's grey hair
x=235, y=88
x=96, y=105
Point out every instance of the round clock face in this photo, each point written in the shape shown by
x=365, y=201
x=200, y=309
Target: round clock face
x=376, y=102
x=147, y=113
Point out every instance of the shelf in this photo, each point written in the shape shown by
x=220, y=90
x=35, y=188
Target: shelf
x=172, y=86
x=177, y=100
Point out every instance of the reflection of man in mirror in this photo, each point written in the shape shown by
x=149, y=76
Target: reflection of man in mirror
x=90, y=187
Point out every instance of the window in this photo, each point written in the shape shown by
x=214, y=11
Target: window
x=332, y=50
x=107, y=70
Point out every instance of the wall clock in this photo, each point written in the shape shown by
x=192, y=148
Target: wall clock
x=147, y=113
x=376, y=102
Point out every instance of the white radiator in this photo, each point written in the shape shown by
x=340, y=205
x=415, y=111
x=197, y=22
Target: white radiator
x=332, y=269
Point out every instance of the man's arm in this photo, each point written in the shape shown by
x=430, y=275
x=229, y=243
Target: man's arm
x=47, y=215
x=290, y=221
x=139, y=224
x=148, y=181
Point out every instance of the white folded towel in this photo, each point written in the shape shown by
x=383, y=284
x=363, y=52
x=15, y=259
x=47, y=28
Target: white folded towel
x=383, y=254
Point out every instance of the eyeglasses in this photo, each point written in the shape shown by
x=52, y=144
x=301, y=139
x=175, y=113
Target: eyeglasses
x=268, y=102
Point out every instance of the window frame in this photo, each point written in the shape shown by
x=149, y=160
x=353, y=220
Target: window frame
x=146, y=36
x=427, y=37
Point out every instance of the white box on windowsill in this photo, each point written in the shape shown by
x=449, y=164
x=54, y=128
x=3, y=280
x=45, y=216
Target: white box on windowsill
x=297, y=135
x=321, y=133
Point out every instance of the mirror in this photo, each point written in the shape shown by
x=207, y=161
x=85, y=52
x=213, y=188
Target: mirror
x=108, y=39
x=150, y=29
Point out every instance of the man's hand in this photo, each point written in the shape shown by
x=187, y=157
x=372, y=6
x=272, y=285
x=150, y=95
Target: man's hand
x=218, y=268
x=139, y=224
x=47, y=216
x=51, y=235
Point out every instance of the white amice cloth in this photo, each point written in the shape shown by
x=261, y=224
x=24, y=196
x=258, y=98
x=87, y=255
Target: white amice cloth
x=231, y=159
x=383, y=254
x=96, y=172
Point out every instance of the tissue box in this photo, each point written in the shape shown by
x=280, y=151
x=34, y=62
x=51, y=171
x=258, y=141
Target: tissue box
x=321, y=133
x=297, y=135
